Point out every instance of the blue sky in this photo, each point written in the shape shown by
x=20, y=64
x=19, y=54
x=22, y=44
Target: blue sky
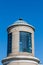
x=32, y=12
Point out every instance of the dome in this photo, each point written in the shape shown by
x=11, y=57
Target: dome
x=21, y=22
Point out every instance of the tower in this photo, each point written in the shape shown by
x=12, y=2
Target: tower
x=20, y=48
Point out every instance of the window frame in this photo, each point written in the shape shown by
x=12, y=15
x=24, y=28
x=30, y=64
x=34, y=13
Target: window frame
x=31, y=41
x=9, y=44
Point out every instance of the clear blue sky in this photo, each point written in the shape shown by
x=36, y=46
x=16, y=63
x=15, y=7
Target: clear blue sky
x=32, y=12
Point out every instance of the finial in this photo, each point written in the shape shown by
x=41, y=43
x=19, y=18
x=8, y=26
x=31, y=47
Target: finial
x=20, y=19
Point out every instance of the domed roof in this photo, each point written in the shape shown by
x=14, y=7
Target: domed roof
x=21, y=22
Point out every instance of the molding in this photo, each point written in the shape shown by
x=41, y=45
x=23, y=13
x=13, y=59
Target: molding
x=20, y=61
x=16, y=58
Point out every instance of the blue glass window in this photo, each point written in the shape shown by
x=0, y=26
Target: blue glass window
x=25, y=42
x=9, y=43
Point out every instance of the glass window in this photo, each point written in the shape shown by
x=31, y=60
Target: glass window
x=25, y=42
x=9, y=43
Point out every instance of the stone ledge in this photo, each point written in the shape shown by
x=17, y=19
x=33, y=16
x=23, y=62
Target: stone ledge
x=21, y=58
